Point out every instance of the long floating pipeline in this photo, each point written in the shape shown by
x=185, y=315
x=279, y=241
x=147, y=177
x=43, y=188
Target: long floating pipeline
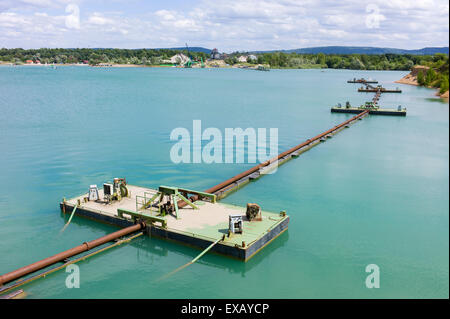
x=229, y=182
x=63, y=256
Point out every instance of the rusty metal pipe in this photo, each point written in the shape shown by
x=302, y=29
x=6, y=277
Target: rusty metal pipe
x=18, y=273
x=259, y=166
x=281, y=155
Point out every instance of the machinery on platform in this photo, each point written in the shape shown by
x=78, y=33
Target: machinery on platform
x=369, y=105
x=169, y=199
x=115, y=191
x=93, y=193
x=235, y=224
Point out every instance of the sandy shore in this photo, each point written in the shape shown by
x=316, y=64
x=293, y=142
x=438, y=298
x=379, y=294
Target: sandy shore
x=411, y=79
x=127, y=66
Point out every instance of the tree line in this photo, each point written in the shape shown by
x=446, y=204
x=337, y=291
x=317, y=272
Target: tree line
x=95, y=56
x=342, y=61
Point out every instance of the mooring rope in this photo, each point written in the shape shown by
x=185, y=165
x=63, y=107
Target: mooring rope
x=70, y=219
x=192, y=261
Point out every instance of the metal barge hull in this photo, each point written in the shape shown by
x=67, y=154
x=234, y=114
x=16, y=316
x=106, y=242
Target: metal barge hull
x=375, y=90
x=355, y=110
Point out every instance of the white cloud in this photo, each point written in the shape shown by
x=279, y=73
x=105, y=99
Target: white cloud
x=166, y=15
x=73, y=19
x=38, y=3
x=11, y=20
x=226, y=24
x=30, y=4
x=99, y=19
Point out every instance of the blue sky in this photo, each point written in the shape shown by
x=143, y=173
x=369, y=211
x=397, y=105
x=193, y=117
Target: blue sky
x=226, y=24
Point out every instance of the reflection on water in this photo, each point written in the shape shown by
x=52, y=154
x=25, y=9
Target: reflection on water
x=437, y=99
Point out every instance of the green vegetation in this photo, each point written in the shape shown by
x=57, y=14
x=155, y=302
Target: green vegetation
x=436, y=77
x=443, y=85
x=335, y=61
x=437, y=74
x=95, y=56
x=341, y=61
x=420, y=78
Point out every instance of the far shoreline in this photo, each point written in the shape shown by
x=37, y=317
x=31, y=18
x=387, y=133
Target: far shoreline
x=181, y=67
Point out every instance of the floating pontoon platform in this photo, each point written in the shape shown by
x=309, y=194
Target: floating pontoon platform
x=198, y=227
x=375, y=111
x=382, y=90
x=362, y=81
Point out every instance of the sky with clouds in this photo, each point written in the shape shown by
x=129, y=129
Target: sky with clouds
x=226, y=24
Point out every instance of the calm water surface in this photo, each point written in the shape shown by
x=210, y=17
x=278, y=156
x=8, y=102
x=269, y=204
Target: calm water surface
x=375, y=193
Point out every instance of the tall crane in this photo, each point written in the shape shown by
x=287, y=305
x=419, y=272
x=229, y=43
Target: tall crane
x=188, y=64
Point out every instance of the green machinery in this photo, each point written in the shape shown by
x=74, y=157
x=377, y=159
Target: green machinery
x=189, y=63
x=135, y=216
x=369, y=105
x=173, y=195
x=115, y=191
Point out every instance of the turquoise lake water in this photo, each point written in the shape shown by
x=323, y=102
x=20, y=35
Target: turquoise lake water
x=376, y=193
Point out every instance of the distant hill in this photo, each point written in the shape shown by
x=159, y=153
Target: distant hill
x=192, y=49
x=336, y=50
x=362, y=50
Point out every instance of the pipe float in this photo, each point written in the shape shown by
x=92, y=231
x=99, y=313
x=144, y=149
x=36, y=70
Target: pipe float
x=16, y=294
x=18, y=273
